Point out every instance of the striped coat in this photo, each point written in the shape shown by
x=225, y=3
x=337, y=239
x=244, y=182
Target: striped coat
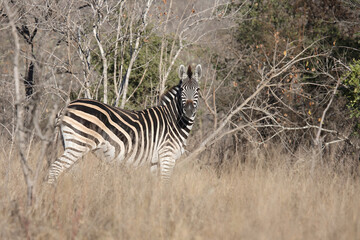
x=155, y=136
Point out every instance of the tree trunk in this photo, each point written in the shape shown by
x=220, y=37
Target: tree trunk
x=19, y=101
x=104, y=61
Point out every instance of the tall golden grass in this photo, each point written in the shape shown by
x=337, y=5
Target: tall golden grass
x=264, y=198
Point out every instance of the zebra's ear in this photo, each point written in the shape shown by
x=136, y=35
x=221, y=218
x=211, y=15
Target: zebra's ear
x=198, y=72
x=182, y=71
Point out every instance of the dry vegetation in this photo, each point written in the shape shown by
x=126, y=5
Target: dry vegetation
x=266, y=197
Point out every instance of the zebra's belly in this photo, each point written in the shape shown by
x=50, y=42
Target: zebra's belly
x=135, y=157
x=107, y=152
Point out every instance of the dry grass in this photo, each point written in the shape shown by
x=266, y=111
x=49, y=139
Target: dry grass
x=260, y=199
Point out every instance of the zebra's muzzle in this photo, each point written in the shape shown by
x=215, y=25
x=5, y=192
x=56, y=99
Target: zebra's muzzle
x=189, y=108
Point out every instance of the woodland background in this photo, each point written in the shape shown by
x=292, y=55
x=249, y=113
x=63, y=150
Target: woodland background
x=275, y=149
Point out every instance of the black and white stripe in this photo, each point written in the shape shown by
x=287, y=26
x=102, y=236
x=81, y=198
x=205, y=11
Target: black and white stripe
x=155, y=136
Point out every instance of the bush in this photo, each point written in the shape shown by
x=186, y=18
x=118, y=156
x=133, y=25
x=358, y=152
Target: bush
x=351, y=90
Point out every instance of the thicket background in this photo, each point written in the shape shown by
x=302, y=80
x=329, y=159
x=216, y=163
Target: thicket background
x=278, y=123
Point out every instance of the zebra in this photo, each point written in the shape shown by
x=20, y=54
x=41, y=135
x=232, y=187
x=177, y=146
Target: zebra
x=155, y=136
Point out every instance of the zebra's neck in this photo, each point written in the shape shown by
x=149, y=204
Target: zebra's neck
x=171, y=100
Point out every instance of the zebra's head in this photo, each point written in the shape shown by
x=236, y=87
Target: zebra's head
x=189, y=87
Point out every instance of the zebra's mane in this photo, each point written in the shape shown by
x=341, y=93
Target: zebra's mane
x=169, y=95
x=189, y=72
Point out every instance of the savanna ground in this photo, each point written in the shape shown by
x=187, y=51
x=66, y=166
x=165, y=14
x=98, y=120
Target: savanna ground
x=270, y=196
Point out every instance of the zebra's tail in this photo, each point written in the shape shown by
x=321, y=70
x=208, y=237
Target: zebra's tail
x=58, y=121
x=57, y=131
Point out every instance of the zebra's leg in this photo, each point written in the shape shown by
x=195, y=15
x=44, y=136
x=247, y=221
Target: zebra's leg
x=65, y=161
x=154, y=168
x=154, y=164
x=167, y=163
